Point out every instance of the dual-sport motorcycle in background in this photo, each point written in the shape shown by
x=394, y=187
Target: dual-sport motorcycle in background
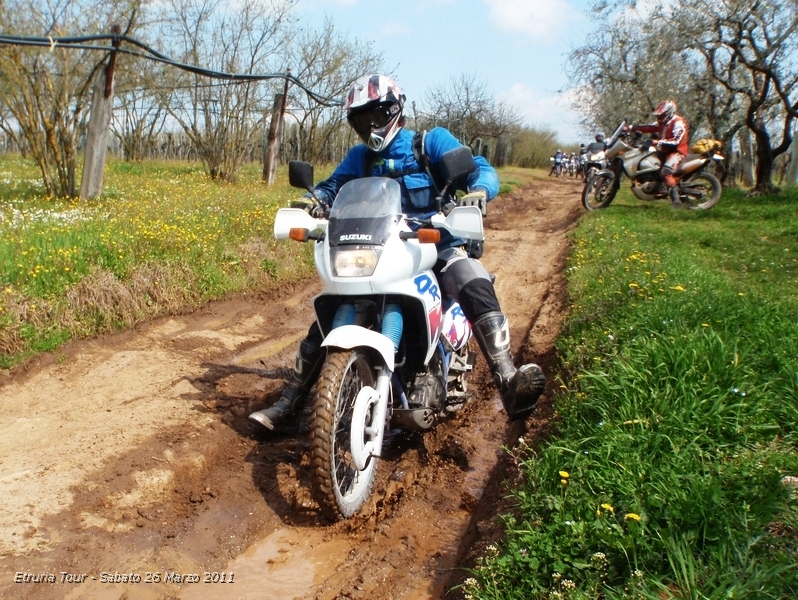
x=397, y=346
x=594, y=162
x=557, y=166
x=627, y=154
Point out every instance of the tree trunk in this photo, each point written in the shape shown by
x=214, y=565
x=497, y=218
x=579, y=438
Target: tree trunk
x=792, y=166
x=764, y=163
x=747, y=159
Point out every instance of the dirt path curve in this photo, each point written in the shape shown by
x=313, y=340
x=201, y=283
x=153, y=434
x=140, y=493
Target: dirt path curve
x=127, y=464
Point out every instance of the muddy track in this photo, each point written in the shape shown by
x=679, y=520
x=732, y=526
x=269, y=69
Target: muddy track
x=128, y=467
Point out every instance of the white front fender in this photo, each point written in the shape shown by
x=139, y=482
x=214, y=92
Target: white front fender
x=352, y=336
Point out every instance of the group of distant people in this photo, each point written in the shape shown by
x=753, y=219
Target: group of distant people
x=575, y=164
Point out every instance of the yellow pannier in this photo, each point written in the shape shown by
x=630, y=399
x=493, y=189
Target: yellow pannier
x=705, y=146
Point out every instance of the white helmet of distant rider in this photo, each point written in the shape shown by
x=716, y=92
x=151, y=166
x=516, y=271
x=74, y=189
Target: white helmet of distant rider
x=374, y=110
x=665, y=111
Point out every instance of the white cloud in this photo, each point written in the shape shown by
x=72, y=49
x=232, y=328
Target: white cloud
x=551, y=111
x=395, y=29
x=544, y=19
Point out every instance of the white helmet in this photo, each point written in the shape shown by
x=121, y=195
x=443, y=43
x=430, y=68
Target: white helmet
x=374, y=110
x=665, y=111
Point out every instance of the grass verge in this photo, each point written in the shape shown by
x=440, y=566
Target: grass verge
x=162, y=239
x=671, y=469
x=512, y=178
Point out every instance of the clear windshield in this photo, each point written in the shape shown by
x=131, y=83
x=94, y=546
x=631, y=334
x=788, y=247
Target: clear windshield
x=616, y=134
x=364, y=211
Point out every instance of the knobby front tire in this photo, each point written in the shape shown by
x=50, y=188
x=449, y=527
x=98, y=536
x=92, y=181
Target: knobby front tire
x=599, y=192
x=339, y=488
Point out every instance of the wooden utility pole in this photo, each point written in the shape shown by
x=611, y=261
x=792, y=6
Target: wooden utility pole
x=272, y=154
x=102, y=101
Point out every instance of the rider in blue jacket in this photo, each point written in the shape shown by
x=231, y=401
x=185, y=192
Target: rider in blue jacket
x=374, y=110
x=399, y=160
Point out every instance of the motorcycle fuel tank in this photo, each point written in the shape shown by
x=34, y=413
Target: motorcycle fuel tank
x=648, y=164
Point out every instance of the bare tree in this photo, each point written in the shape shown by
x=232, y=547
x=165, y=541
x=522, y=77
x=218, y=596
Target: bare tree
x=730, y=65
x=223, y=119
x=466, y=107
x=326, y=62
x=751, y=49
x=139, y=111
x=45, y=93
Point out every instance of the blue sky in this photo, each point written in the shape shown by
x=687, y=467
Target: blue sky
x=517, y=48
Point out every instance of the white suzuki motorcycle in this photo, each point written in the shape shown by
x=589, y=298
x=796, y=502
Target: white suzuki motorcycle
x=397, y=348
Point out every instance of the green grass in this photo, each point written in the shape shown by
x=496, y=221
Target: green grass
x=162, y=237
x=511, y=178
x=676, y=419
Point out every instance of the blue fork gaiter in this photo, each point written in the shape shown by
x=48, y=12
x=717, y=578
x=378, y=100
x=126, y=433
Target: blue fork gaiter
x=344, y=315
x=392, y=324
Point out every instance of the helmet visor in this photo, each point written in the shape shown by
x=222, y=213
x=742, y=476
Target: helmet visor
x=374, y=118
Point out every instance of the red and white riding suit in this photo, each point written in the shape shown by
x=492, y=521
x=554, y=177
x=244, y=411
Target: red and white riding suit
x=671, y=145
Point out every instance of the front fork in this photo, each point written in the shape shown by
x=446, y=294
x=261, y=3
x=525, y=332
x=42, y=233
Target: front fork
x=367, y=433
x=370, y=412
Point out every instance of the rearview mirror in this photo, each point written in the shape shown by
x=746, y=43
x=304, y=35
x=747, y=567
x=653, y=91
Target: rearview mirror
x=456, y=163
x=300, y=175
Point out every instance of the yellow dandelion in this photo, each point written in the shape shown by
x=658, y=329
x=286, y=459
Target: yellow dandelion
x=565, y=474
x=633, y=516
x=563, y=481
x=677, y=288
x=608, y=507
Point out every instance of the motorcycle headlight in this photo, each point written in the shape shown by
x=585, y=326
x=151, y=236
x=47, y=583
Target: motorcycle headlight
x=355, y=261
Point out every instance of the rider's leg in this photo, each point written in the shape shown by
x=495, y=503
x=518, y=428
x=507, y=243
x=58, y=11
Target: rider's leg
x=470, y=284
x=668, y=168
x=309, y=358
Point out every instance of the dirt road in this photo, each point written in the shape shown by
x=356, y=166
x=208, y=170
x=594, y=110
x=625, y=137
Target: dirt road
x=128, y=468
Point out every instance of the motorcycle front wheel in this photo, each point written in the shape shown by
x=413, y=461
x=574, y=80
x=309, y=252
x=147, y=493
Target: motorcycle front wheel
x=599, y=192
x=338, y=487
x=700, y=192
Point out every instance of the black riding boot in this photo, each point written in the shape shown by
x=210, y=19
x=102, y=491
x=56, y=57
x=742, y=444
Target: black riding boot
x=292, y=401
x=519, y=388
x=673, y=194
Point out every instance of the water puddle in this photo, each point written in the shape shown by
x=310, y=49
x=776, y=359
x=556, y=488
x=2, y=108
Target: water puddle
x=284, y=566
x=265, y=350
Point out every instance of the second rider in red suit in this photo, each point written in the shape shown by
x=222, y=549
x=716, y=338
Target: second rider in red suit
x=671, y=146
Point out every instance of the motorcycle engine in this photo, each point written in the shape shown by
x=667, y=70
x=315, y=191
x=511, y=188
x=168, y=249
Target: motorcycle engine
x=427, y=391
x=648, y=183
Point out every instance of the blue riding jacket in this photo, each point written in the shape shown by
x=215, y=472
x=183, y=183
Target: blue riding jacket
x=418, y=188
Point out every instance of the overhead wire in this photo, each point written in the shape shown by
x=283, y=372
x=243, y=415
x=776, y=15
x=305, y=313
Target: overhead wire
x=84, y=43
